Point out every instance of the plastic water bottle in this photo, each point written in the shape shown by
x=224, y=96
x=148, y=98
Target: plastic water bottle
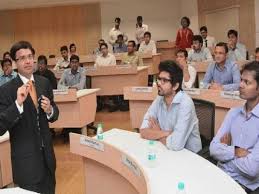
x=151, y=154
x=154, y=82
x=99, y=131
x=201, y=84
x=181, y=188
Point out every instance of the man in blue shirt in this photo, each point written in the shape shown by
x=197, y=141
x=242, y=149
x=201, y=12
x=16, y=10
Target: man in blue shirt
x=171, y=118
x=8, y=73
x=224, y=74
x=236, y=145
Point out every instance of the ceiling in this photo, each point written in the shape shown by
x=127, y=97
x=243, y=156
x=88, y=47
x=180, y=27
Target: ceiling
x=21, y=4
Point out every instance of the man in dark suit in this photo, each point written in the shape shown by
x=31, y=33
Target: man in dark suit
x=26, y=107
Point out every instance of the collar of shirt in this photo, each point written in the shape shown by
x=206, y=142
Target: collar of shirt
x=199, y=51
x=70, y=72
x=25, y=79
x=176, y=100
x=227, y=62
x=108, y=55
x=254, y=112
x=114, y=29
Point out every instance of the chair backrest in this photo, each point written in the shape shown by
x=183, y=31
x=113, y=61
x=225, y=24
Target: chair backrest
x=205, y=111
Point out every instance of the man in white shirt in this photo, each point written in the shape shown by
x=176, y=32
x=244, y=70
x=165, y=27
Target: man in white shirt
x=147, y=46
x=105, y=59
x=63, y=63
x=97, y=51
x=189, y=72
x=115, y=31
x=140, y=30
x=208, y=41
x=198, y=53
x=237, y=51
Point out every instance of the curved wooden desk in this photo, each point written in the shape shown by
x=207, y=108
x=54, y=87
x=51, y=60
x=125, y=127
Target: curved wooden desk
x=76, y=108
x=139, y=102
x=6, y=176
x=107, y=172
x=167, y=50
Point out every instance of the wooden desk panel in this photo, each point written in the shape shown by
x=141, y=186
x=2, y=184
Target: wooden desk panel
x=6, y=176
x=167, y=50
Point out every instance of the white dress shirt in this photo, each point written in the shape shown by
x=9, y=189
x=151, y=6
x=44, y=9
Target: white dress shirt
x=105, y=61
x=239, y=54
x=148, y=48
x=203, y=55
x=113, y=35
x=192, y=73
x=140, y=31
x=211, y=42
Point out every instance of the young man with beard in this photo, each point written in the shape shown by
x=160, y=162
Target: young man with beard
x=171, y=119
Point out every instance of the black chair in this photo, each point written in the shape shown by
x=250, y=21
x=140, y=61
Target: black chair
x=205, y=111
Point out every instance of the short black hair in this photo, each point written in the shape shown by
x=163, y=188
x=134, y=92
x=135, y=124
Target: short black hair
x=133, y=42
x=223, y=44
x=63, y=48
x=204, y=28
x=104, y=44
x=187, y=19
x=139, y=18
x=117, y=19
x=71, y=45
x=184, y=51
x=234, y=32
x=120, y=36
x=5, y=61
x=147, y=33
x=176, y=73
x=6, y=53
x=257, y=50
x=74, y=57
x=43, y=58
x=253, y=66
x=198, y=38
x=20, y=45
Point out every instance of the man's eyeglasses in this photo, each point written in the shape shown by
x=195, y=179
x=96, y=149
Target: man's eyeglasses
x=163, y=80
x=24, y=58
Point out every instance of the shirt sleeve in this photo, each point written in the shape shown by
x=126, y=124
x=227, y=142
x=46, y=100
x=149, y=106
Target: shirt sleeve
x=218, y=150
x=240, y=52
x=61, y=82
x=154, y=50
x=249, y=165
x=140, y=61
x=183, y=127
x=208, y=75
x=152, y=112
x=178, y=38
x=236, y=79
x=20, y=108
x=113, y=60
x=192, y=73
x=208, y=55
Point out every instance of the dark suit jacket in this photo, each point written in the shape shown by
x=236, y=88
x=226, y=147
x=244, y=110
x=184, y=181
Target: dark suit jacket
x=50, y=76
x=28, y=131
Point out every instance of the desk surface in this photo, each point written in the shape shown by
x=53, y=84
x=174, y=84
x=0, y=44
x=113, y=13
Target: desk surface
x=4, y=137
x=199, y=175
x=16, y=190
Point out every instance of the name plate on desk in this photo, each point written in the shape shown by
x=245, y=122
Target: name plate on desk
x=192, y=91
x=124, y=66
x=142, y=89
x=90, y=68
x=92, y=143
x=230, y=95
x=131, y=165
x=60, y=92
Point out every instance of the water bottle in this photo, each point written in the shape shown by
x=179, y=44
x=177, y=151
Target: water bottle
x=201, y=84
x=154, y=82
x=181, y=188
x=151, y=154
x=99, y=132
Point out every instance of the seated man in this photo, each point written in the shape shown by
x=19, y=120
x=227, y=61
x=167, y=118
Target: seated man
x=236, y=144
x=73, y=77
x=97, y=51
x=257, y=54
x=45, y=72
x=63, y=62
x=148, y=45
x=131, y=57
x=237, y=51
x=7, y=55
x=171, y=118
x=224, y=74
x=120, y=46
x=8, y=73
x=189, y=72
x=208, y=41
x=198, y=53
x=105, y=59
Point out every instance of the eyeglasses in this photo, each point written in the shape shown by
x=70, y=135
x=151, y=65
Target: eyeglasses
x=163, y=80
x=24, y=58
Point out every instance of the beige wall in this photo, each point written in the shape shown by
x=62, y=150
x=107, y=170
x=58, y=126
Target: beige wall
x=246, y=17
x=257, y=21
x=49, y=28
